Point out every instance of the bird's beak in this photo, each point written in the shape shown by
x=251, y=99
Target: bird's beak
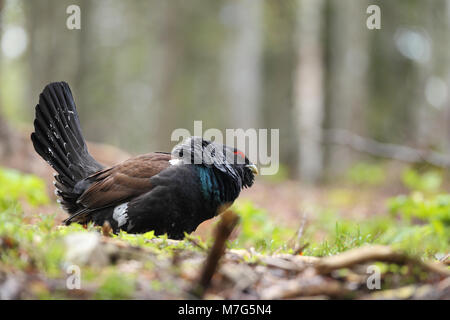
x=253, y=168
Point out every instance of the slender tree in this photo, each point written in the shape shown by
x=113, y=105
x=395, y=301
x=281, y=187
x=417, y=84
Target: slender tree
x=5, y=132
x=170, y=53
x=447, y=107
x=242, y=62
x=309, y=89
x=347, y=79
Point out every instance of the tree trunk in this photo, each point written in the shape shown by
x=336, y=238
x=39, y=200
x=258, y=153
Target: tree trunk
x=242, y=62
x=446, y=117
x=53, y=49
x=5, y=131
x=168, y=57
x=309, y=89
x=347, y=95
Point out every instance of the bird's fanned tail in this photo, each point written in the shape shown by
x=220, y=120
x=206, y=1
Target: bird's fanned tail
x=143, y=193
x=58, y=140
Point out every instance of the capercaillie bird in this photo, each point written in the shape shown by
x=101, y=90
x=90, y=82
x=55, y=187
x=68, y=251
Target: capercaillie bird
x=170, y=193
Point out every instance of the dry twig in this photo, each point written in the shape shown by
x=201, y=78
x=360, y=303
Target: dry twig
x=225, y=227
x=385, y=150
x=375, y=253
x=107, y=231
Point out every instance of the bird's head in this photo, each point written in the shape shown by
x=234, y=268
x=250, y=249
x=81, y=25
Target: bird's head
x=228, y=160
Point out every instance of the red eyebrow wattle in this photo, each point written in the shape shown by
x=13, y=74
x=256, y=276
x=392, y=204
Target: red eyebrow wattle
x=240, y=153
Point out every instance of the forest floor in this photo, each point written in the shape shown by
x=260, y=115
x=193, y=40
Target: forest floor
x=382, y=232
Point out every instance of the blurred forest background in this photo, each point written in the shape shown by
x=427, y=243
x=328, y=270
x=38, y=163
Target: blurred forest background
x=141, y=69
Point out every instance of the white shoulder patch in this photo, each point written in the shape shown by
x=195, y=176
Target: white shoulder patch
x=120, y=214
x=175, y=162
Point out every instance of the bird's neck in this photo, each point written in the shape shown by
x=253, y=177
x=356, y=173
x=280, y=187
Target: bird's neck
x=217, y=187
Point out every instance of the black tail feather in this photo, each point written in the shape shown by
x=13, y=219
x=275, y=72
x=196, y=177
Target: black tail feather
x=57, y=138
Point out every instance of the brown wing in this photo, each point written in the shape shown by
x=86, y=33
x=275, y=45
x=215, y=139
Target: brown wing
x=123, y=181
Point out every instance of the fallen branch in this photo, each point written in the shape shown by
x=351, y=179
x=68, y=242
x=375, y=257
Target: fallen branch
x=375, y=253
x=385, y=150
x=445, y=260
x=439, y=291
x=225, y=227
x=310, y=287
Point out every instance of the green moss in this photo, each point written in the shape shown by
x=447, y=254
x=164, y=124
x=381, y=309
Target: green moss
x=367, y=174
x=429, y=181
x=115, y=286
x=16, y=186
x=257, y=230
